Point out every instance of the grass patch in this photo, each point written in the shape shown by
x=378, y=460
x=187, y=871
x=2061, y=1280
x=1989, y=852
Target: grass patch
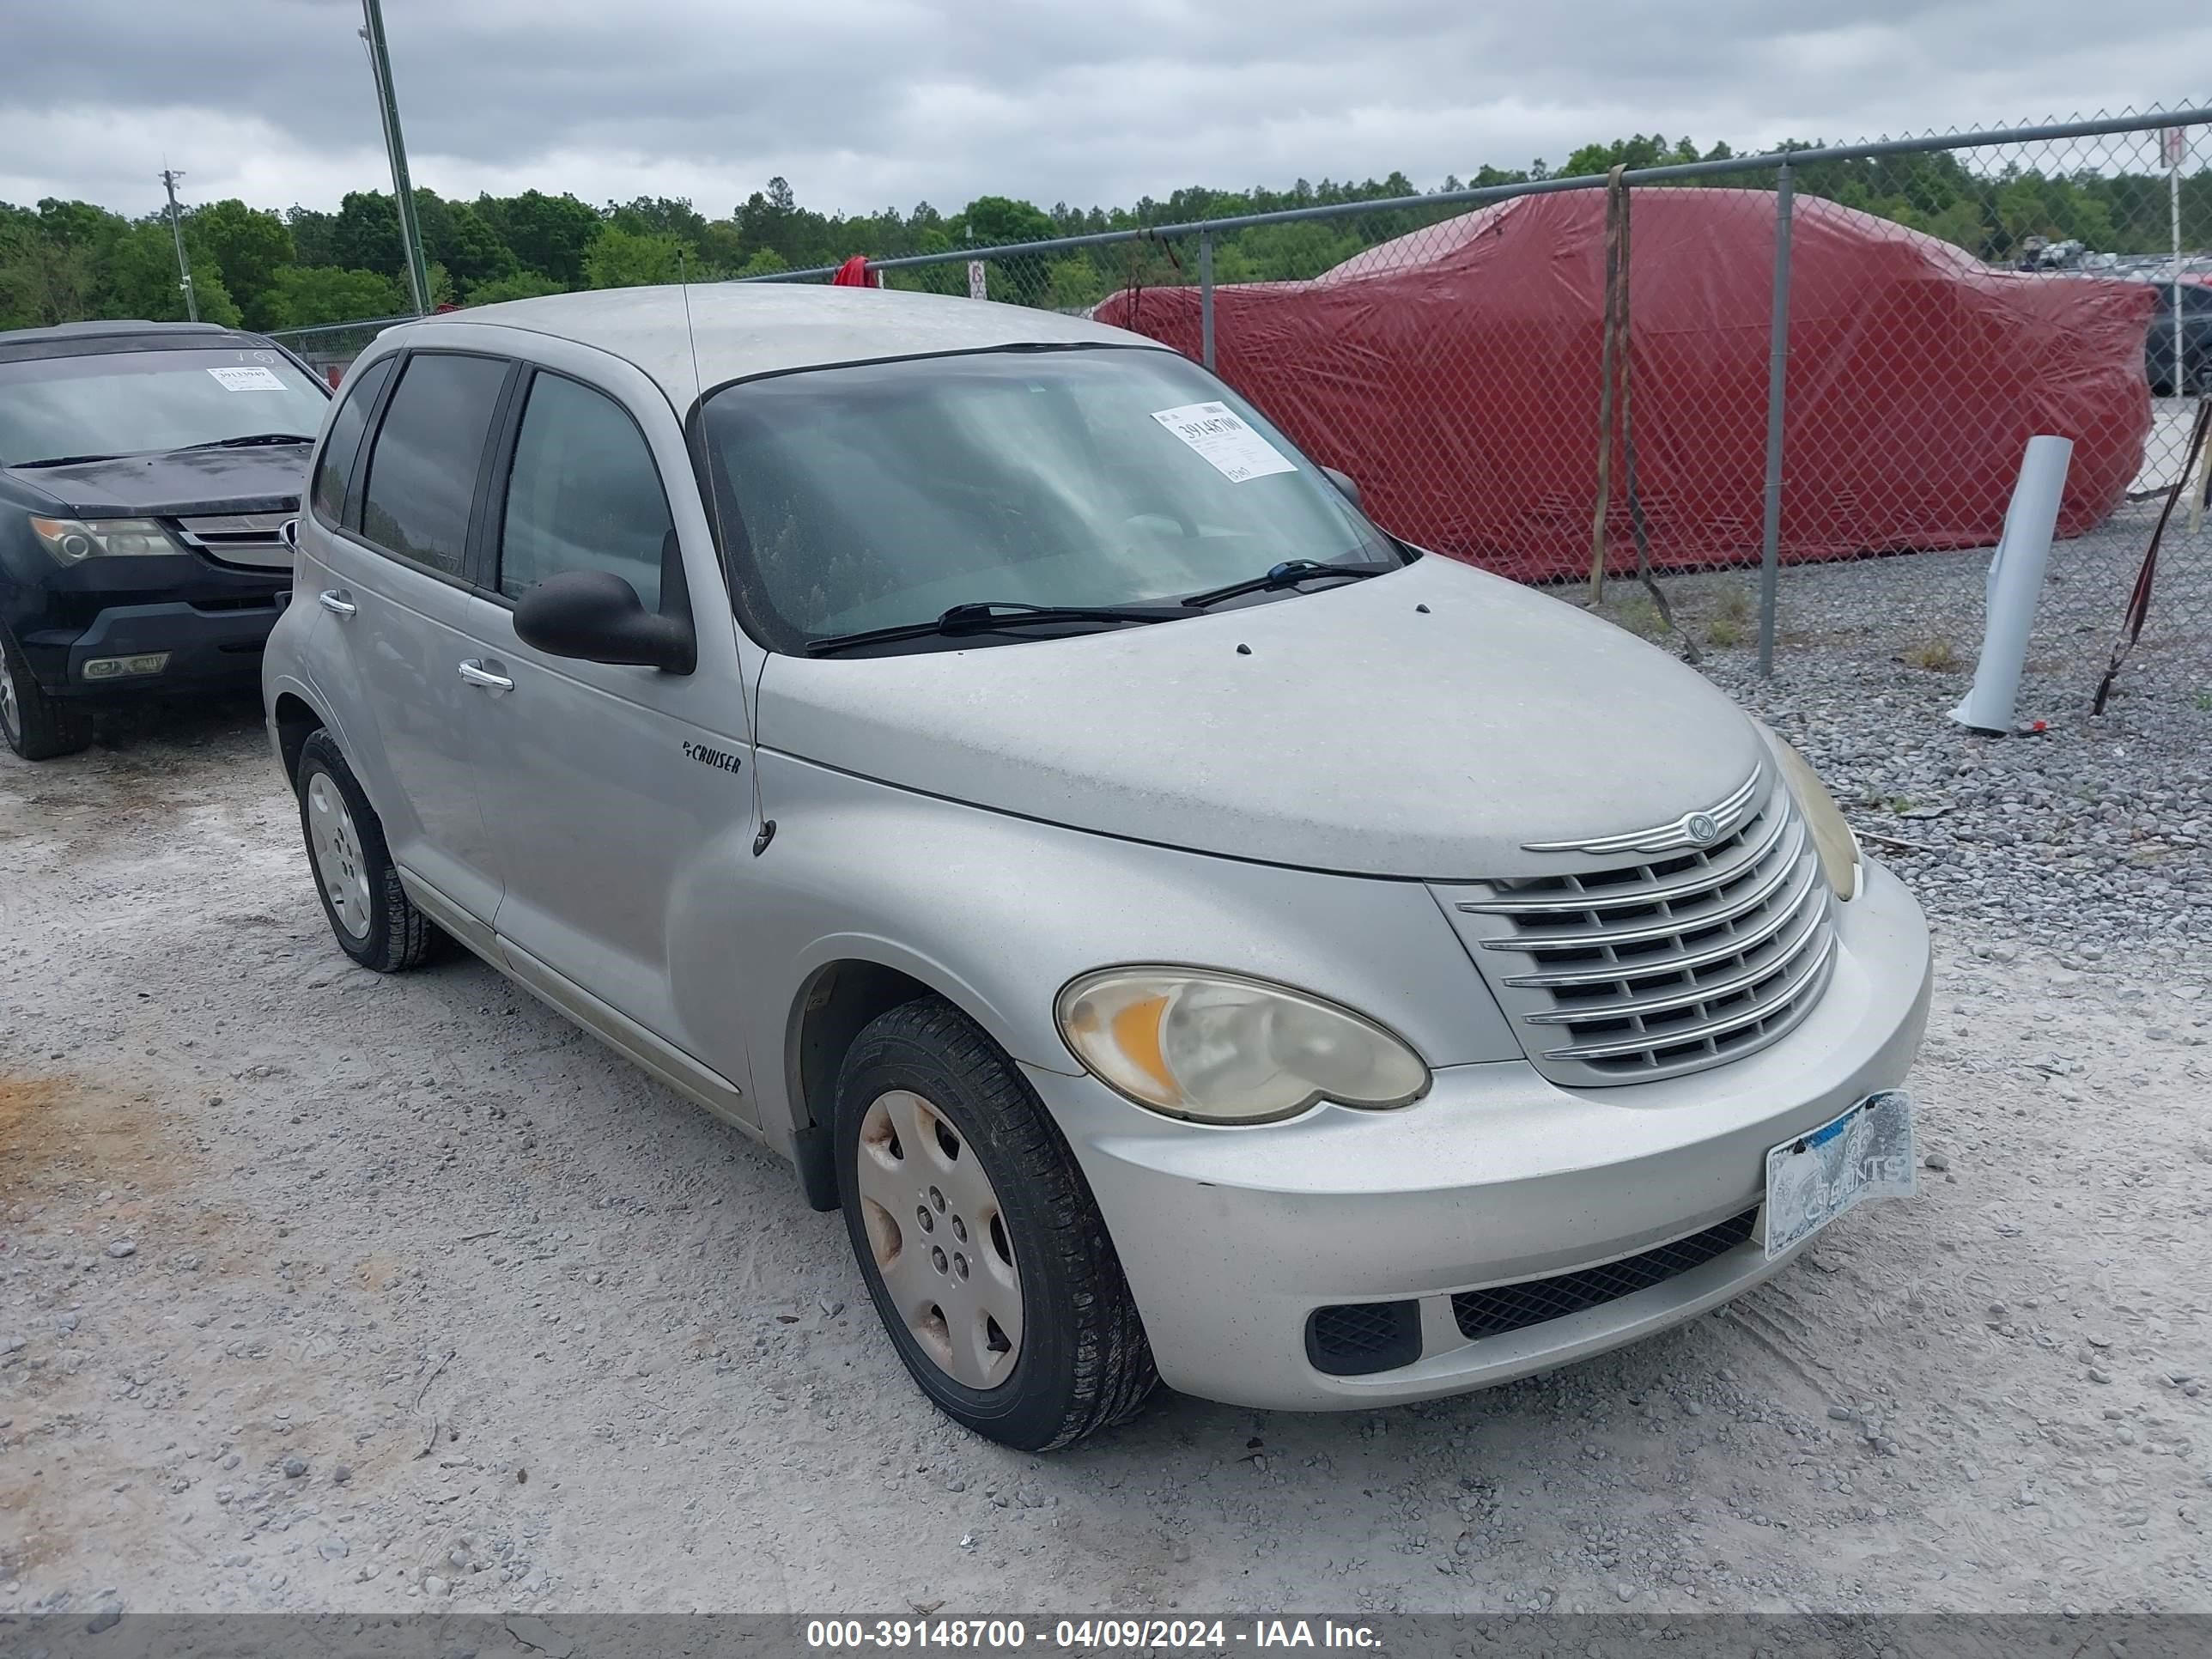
x=1936, y=656
x=1724, y=630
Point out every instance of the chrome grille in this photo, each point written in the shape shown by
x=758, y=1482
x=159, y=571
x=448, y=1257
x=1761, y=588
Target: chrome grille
x=249, y=540
x=1651, y=970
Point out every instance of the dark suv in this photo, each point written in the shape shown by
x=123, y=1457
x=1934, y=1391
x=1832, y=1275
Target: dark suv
x=2196, y=342
x=146, y=473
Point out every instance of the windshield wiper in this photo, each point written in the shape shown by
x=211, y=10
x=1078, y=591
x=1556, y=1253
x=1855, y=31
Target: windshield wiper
x=251, y=440
x=1289, y=574
x=65, y=460
x=993, y=617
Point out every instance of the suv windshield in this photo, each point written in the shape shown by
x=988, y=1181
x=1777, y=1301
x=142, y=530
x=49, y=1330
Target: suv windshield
x=123, y=403
x=885, y=493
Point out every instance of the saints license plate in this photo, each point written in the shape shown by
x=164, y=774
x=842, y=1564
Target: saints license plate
x=1866, y=1152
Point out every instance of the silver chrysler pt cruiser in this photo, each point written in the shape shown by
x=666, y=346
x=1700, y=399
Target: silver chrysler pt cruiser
x=1191, y=934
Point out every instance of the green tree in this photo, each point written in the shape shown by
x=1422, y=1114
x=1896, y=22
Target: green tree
x=522, y=285
x=765, y=262
x=137, y=272
x=769, y=219
x=43, y=282
x=365, y=235
x=999, y=222
x=1074, y=284
x=548, y=234
x=249, y=247
x=625, y=258
x=459, y=238
x=306, y=296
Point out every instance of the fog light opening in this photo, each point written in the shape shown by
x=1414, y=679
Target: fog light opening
x=116, y=668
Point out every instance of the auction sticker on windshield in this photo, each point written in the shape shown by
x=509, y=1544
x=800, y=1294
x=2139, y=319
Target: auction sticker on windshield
x=1220, y=435
x=247, y=378
x=1866, y=1152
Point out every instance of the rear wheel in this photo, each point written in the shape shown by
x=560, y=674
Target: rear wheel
x=978, y=1237
x=370, y=915
x=37, y=726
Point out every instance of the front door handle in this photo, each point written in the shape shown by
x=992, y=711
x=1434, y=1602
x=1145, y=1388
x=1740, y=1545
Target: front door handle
x=334, y=600
x=477, y=675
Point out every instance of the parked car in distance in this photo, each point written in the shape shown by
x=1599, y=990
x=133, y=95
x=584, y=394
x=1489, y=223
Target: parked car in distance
x=2195, y=301
x=1182, y=927
x=145, y=470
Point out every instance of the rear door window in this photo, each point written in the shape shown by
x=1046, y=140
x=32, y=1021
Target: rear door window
x=422, y=466
x=583, y=494
x=334, y=470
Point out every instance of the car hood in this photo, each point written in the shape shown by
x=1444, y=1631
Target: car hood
x=176, y=482
x=1360, y=732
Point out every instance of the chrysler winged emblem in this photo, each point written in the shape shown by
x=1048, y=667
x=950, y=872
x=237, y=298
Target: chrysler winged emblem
x=1696, y=829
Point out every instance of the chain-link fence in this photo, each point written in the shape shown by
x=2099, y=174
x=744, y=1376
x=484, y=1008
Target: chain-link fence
x=1816, y=373
x=1763, y=405
x=331, y=350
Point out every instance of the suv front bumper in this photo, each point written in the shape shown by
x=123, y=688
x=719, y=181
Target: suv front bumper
x=1232, y=1237
x=214, y=644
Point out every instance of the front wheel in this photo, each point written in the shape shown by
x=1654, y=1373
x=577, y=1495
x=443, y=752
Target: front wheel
x=980, y=1244
x=37, y=726
x=370, y=915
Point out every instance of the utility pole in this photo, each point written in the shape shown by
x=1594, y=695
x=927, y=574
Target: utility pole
x=177, y=229
x=403, y=193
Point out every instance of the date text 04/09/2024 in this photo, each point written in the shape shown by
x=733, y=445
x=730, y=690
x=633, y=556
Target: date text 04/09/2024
x=1091, y=1634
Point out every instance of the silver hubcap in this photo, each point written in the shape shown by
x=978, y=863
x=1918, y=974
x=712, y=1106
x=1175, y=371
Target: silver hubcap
x=337, y=849
x=939, y=1239
x=8, y=715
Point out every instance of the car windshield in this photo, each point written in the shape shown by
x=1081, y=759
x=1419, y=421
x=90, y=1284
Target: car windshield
x=122, y=403
x=879, y=495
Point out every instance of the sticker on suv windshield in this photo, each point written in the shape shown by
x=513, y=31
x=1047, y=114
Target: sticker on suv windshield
x=248, y=380
x=1217, y=433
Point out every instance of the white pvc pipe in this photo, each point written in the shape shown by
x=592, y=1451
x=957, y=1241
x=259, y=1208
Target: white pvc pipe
x=2016, y=582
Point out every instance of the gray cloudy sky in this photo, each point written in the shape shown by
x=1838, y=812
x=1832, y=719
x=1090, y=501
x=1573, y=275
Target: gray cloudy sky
x=864, y=104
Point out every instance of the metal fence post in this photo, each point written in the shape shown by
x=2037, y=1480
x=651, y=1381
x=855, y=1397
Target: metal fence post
x=1206, y=298
x=1777, y=364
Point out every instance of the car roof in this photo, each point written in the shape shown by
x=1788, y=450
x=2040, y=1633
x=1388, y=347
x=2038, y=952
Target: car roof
x=117, y=334
x=747, y=329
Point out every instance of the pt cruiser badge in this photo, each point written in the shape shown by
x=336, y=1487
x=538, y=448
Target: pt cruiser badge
x=719, y=758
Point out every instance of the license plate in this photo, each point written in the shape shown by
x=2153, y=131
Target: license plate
x=1864, y=1152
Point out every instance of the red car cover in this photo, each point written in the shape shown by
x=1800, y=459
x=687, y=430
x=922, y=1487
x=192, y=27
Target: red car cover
x=1453, y=372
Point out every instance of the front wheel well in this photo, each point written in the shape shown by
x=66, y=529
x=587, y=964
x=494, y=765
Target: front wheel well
x=295, y=723
x=839, y=1001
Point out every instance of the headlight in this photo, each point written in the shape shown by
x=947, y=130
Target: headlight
x=73, y=541
x=1831, y=838
x=1221, y=1049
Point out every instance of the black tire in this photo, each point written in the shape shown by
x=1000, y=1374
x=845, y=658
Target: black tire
x=1083, y=1364
x=37, y=726
x=396, y=936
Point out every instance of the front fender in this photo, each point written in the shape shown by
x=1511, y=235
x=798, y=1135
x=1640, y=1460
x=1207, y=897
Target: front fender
x=997, y=913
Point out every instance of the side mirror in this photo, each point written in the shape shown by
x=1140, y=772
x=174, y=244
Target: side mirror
x=596, y=616
x=1343, y=481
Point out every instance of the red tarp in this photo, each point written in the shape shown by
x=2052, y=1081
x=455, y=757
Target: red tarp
x=1453, y=372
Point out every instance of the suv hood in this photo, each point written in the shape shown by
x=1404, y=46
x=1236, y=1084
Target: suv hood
x=1360, y=734
x=177, y=482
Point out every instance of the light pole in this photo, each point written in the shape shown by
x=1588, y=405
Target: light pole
x=403, y=193
x=177, y=229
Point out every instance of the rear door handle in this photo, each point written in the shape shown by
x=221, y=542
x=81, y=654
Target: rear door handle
x=334, y=600
x=477, y=675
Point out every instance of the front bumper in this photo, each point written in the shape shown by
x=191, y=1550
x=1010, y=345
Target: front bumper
x=1231, y=1238
x=218, y=643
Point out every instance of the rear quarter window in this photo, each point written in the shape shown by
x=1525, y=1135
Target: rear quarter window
x=334, y=470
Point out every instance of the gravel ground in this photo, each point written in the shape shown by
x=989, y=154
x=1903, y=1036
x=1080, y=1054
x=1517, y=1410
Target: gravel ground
x=323, y=1290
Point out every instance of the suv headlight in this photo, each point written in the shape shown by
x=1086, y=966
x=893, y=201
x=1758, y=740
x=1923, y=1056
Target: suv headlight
x=1219, y=1048
x=75, y=540
x=1832, y=836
